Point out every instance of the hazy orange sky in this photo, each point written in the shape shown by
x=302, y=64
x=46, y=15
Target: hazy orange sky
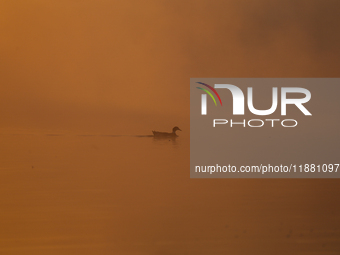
x=124, y=66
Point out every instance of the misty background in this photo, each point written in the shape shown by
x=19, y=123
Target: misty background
x=124, y=66
x=76, y=74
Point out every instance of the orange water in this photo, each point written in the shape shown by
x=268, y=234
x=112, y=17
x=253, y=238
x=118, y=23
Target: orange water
x=72, y=194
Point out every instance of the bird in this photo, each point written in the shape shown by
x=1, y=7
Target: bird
x=166, y=134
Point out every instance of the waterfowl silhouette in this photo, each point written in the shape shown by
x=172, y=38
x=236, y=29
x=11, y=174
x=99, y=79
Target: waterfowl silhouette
x=165, y=134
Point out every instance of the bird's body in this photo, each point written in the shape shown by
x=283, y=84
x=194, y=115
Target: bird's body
x=166, y=134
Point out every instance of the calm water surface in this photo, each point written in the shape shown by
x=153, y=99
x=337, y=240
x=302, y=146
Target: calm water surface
x=95, y=194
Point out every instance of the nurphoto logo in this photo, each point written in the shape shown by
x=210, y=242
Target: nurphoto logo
x=239, y=105
x=264, y=128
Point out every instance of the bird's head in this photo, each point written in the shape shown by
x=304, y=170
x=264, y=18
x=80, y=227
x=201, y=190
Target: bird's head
x=175, y=129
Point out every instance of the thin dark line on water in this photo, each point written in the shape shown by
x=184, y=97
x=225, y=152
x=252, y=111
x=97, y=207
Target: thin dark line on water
x=111, y=135
x=119, y=135
x=84, y=135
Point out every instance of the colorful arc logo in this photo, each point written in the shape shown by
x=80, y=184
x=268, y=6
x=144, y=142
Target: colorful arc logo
x=208, y=92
